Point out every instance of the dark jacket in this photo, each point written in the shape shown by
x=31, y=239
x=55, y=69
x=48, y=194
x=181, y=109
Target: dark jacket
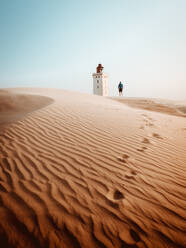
x=120, y=86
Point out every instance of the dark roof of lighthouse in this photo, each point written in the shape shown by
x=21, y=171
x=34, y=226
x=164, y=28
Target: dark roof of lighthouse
x=99, y=68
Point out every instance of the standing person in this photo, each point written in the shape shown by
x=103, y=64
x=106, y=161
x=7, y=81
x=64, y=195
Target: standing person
x=120, y=88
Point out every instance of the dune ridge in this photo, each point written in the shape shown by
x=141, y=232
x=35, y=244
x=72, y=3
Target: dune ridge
x=14, y=106
x=89, y=172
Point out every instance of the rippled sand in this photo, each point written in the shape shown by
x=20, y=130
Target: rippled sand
x=87, y=171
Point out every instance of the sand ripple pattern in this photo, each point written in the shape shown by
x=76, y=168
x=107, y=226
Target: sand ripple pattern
x=83, y=173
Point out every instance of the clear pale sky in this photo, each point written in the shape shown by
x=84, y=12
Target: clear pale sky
x=58, y=44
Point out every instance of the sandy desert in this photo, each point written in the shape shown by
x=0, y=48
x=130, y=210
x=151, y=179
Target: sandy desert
x=79, y=170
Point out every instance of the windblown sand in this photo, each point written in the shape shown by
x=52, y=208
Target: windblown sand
x=16, y=106
x=87, y=171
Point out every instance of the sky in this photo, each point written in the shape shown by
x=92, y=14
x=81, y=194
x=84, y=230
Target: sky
x=59, y=43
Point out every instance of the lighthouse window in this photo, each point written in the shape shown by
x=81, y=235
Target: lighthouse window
x=97, y=87
x=97, y=81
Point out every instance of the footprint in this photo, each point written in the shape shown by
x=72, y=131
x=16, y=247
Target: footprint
x=146, y=141
x=123, y=158
x=134, y=235
x=156, y=135
x=113, y=204
x=133, y=172
x=142, y=127
x=113, y=198
x=147, y=117
x=118, y=195
x=151, y=119
x=142, y=149
x=149, y=124
x=148, y=121
x=131, y=175
x=127, y=240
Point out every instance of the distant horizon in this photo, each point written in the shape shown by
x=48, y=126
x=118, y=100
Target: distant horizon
x=91, y=93
x=58, y=44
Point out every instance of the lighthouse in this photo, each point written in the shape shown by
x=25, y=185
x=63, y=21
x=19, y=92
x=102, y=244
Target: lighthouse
x=100, y=82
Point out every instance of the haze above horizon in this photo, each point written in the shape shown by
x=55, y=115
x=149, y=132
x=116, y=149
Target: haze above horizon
x=59, y=43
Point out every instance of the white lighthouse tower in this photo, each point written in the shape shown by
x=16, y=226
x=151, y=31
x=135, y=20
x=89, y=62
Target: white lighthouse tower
x=100, y=82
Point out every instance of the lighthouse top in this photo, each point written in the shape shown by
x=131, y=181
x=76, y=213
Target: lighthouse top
x=99, y=68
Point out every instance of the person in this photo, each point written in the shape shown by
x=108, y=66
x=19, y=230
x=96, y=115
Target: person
x=120, y=88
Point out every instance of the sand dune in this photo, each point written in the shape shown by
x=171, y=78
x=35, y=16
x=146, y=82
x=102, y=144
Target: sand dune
x=16, y=106
x=162, y=106
x=90, y=172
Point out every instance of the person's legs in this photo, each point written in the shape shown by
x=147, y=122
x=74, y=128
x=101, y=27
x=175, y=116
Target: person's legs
x=120, y=92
